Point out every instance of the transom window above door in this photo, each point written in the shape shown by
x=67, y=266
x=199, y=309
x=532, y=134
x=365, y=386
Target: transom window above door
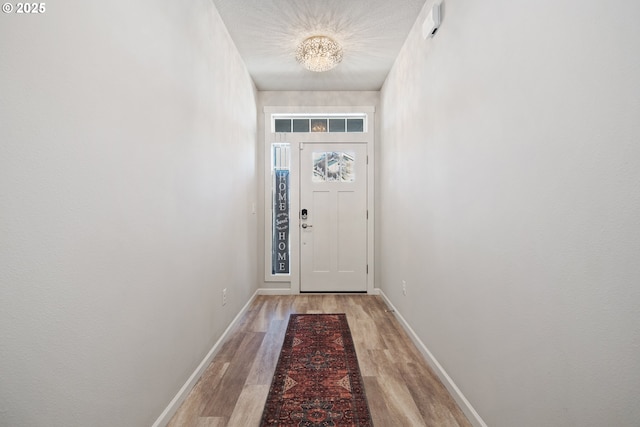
x=324, y=123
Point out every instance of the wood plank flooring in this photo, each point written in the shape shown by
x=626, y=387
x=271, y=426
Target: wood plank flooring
x=401, y=388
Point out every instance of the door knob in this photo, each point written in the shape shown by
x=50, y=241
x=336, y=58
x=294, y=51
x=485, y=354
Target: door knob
x=306, y=226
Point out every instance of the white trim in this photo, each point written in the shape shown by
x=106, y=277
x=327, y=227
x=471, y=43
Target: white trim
x=325, y=110
x=320, y=115
x=182, y=394
x=274, y=291
x=462, y=401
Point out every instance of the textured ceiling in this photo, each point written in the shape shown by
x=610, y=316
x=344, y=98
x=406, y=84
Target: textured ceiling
x=267, y=32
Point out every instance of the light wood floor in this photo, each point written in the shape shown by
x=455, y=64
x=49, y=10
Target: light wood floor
x=401, y=388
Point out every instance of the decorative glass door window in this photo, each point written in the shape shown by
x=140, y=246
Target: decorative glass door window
x=333, y=166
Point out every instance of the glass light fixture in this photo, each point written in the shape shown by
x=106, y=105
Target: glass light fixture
x=319, y=125
x=319, y=53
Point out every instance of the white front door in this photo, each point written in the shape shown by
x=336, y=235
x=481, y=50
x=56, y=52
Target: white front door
x=333, y=217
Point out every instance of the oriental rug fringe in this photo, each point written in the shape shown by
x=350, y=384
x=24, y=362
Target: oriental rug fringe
x=317, y=382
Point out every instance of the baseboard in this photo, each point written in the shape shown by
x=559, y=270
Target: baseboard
x=287, y=291
x=182, y=394
x=274, y=291
x=465, y=405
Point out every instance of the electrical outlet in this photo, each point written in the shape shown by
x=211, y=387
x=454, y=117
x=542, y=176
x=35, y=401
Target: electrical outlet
x=224, y=296
x=404, y=287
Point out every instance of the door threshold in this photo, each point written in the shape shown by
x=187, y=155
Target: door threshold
x=333, y=292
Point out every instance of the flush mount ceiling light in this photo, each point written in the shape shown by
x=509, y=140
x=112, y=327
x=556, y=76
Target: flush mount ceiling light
x=319, y=53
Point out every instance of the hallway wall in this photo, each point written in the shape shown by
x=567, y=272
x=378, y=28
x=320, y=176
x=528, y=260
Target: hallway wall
x=509, y=192
x=127, y=177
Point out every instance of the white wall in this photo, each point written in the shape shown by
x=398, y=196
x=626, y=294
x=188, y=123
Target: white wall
x=127, y=173
x=510, y=194
x=297, y=99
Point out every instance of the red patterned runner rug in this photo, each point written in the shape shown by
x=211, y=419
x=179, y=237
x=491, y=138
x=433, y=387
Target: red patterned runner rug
x=317, y=382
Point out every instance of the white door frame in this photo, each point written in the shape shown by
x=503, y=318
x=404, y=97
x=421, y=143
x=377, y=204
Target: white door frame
x=295, y=139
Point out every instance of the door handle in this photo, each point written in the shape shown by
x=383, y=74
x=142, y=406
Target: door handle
x=306, y=226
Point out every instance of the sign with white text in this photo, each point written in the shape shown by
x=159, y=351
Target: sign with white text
x=280, y=251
